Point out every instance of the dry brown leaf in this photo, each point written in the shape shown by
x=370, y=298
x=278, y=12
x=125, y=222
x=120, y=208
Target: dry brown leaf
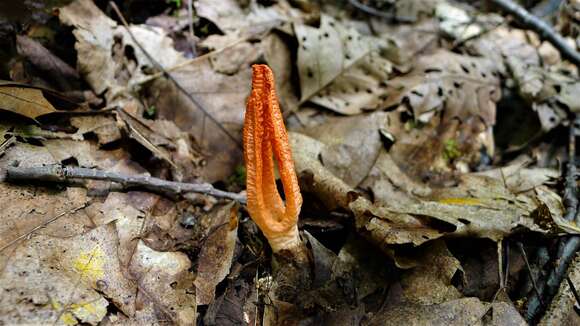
x=330, y=189
x=140, y=130
x=385, y=227
x=103, y=126
x=223, y=96
x=184, y=151
x=415, y=10
x=447, y=109
x=59, y=71
x=34, y=210
x=25, y=155
x=230, y=58
x=238, y=305
x=518, y=179
x=368, y=262
x=86, y=153
x=406, y=42
x=465, y=311
x=216, y=255
x=162, y=277
x=227, y=14
x=352, y=144
x=130, y=223
x=430, y=282
x=375, y=222
x=24, y=100
x=541, y=84
x=388, y=183
x=456, y=22
x=279, y=56
x=504, y=44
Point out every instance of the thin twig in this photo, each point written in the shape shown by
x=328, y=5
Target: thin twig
x=530, y=274
x=170, y=77
x=461, y=42
x=190, y=61
x=500, y=264
x=58, y=173
x=540, y=26
x=507, y=265
x=374, y=12
x=7, y=143
x=190, y=23
x=573, y=289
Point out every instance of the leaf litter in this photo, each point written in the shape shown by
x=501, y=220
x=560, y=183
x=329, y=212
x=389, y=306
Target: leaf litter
x=393, y=131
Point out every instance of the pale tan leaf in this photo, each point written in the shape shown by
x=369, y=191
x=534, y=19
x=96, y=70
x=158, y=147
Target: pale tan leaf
x=358, y=88
x=325, y=52
x=26, y=101
x=164, y=278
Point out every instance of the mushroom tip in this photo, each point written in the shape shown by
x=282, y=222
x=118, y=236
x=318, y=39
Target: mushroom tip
x=258, y=67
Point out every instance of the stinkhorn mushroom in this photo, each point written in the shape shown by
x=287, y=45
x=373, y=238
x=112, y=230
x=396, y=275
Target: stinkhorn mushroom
x=265, y=138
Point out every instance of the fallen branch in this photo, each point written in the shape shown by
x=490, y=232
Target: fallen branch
x=58, y=173
x=538, y=25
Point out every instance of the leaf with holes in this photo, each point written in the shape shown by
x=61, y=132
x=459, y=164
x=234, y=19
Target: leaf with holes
x=325, y=53
x=460, y=86
x=358, y=88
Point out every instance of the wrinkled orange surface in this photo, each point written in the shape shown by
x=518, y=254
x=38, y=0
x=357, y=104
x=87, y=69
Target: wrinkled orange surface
x=265, y=138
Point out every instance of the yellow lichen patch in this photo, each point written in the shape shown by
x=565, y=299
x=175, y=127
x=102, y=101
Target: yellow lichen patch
x=89, y=264
x=88, y=310
x=66, y=317
x=460, y=201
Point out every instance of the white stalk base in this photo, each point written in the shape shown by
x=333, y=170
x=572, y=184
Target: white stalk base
x=288, y=241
